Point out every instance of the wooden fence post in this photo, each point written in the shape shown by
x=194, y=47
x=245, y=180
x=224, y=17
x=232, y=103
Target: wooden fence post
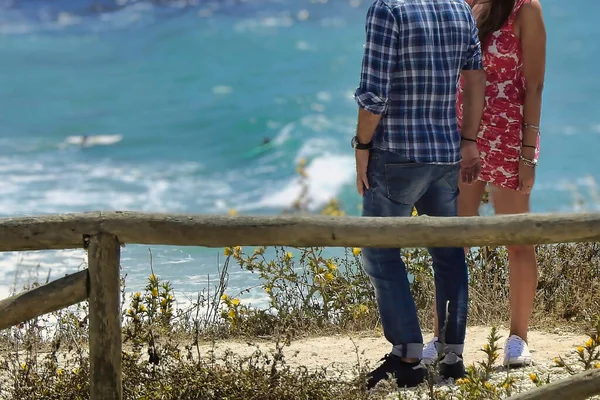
x=105, y=317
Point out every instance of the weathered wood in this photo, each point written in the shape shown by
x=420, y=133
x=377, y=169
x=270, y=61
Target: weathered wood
x=66, y=231
x=576, y=387
x=220, y=231
x=47, y=232
x=44, y=299
x=105, y=318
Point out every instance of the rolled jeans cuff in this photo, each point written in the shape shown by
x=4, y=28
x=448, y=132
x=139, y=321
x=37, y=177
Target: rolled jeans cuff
x=443, y=349
x=408, y=350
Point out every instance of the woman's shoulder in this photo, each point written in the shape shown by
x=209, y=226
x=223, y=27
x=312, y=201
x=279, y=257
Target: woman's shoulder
x=529, y=9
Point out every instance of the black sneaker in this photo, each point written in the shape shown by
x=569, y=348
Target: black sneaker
x=452, y=366
x=406, y=374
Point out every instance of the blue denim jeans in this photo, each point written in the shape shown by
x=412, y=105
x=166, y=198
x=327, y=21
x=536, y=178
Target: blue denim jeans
x=396, y=185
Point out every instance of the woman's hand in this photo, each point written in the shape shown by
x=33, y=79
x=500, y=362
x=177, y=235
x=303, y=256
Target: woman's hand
x=526, y=177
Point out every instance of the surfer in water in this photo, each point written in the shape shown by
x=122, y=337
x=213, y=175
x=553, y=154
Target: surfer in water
x=264, y=147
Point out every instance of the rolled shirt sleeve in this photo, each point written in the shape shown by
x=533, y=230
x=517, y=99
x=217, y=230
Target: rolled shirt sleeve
x=473, y=59
x=379, y=58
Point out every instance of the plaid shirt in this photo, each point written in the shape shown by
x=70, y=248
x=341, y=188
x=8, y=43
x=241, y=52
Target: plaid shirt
x=414, y=53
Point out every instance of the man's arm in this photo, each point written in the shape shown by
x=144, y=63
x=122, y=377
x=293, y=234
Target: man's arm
x=377, y=67
x=473, y=86
x=473, y=102
x=533, y=42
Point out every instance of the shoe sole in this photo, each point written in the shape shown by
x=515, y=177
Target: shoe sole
x=518, y=363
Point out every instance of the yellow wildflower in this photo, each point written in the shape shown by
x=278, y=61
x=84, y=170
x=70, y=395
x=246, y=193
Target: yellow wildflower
x=414, y=212
x=224, y=297
x=557, y=361
x=362, y=309
x=154, y=292
x=228, y=251
x=238, y=249
x=59, y=371
x=356, y=251
x=597, y=365
x=231, y=314
x=233, y=212
x=533, y=377
x=488, y=386
x=331, y=266
x=289, y=255
x=137, y=295
x=328, y=276
x=486, y=347
x=268, y=289
x=580, y=349
x=235, y=302
x=142, y=308
x=589, y=343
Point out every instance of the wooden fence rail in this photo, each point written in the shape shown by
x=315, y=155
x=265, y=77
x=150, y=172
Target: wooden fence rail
x=71, y=230
x=103, y=233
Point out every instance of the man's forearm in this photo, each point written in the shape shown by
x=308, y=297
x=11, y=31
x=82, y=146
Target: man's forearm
x=473, y=102
x=366, y=125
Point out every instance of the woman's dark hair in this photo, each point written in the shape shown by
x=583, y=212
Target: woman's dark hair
x=494, y=18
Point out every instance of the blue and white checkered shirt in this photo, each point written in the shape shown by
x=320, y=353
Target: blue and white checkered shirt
x=414, y=53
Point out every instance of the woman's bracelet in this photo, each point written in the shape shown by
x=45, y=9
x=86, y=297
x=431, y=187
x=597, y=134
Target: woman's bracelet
x=529, y=126
x=468, y=140
x=530, y=162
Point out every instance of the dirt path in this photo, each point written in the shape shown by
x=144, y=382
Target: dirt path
x=344, y=350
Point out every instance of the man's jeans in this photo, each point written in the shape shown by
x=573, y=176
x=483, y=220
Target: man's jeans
x=397, y=185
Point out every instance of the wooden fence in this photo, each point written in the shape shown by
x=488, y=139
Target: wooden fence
x=103, y=234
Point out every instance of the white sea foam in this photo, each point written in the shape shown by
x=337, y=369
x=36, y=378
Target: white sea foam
x=93, y=140
x=327, y=175
x=255, y=24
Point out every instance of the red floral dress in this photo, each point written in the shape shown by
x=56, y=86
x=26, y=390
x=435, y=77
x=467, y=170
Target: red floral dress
x=501, y=130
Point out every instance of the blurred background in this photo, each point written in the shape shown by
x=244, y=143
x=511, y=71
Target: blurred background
x=164, y=106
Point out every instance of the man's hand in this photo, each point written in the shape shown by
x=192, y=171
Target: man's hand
x=362, y=162
x=470, y=166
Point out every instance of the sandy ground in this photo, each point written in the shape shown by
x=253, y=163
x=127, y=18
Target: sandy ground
x=344, y=351
x=341, y=354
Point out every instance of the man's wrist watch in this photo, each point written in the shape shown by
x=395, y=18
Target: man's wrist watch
x=360, y=146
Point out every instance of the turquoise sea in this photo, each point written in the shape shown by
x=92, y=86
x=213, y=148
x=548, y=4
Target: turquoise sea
x=177, y=96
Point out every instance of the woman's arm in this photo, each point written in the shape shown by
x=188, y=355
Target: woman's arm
x=533, y=42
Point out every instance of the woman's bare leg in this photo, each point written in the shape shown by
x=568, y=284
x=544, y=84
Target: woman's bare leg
x=522, y=264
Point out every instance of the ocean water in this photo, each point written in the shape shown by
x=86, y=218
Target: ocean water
x=177, y=97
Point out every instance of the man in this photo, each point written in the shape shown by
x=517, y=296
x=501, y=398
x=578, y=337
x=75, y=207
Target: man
x=409, y=152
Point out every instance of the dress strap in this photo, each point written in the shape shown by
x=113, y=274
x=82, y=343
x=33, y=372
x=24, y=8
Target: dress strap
x=515, y=11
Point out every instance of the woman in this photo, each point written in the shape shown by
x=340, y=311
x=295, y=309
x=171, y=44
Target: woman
x=513, y=41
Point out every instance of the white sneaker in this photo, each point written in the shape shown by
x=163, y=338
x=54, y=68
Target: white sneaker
x=516, y=352
x=430, y=352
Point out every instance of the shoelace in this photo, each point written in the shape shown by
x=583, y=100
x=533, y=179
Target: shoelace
x=515, y=345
